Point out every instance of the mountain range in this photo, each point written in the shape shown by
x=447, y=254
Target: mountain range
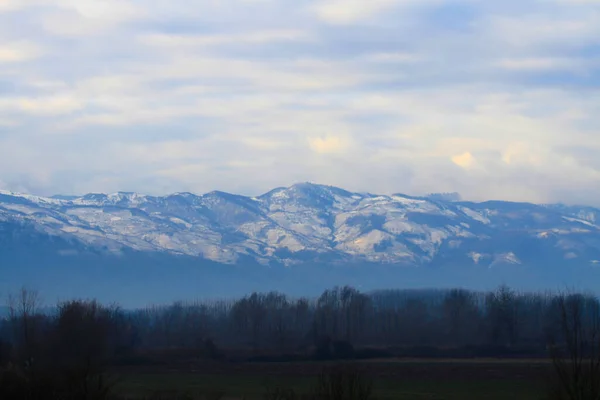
x=326, y=232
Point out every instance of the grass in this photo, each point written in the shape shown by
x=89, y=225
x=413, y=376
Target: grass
x=413, y=379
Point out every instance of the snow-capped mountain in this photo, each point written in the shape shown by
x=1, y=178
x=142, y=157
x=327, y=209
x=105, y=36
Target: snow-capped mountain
x=310, y=223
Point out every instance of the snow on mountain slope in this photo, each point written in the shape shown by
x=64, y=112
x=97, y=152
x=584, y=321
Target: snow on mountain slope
x=301, y=222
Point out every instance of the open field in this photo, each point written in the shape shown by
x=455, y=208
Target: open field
x=393, y=379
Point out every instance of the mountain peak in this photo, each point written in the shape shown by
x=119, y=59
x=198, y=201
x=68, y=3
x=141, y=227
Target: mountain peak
x=307, y=194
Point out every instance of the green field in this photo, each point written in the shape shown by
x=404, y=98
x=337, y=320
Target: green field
x=415, y=379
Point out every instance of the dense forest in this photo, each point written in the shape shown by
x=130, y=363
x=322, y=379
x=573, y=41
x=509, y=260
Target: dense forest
x=83, y=336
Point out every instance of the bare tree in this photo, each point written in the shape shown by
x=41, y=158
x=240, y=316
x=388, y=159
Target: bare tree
x=249, y=315
x=25, y=319
x=278, y=309
x=575, y=346
x=82, y=346
x=502, y=309
x=460, y=314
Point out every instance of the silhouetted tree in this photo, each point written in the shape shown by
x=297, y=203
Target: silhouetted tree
x=502, y=309
x=575, y=346
x=460, y=316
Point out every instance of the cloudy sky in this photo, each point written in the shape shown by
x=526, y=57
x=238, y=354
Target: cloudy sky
x=493, y=99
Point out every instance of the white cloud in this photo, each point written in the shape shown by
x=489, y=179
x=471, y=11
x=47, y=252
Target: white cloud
x=13, y=5
x=329, y=144
x=464, y=160
x=542, y=63
x=199, y=41
x=45, y=106
x=349, y=11
x=489, y=99
x=89, y=17
x=580, y=2
x=573, y=28
x=394, y=57
x=12, y=52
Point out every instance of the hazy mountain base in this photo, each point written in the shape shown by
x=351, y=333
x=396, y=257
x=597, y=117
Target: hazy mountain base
x=62, y=270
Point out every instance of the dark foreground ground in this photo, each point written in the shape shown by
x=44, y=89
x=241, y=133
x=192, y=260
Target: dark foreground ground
x=393, y=379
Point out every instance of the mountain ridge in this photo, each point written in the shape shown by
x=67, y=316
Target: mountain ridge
x=308, y=222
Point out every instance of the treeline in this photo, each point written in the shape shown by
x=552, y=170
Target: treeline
x=341, y=323
x=65, y=353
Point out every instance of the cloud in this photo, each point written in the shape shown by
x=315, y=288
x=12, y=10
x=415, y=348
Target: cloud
x=89, y=17
x=348, y=11
x=50, y=105
x=13, y=5
x=548, y=28
x=329, y=144
x=199, y=41
x=572, y=2
x=351, y=11
x=464, y=160
x=396, y=57
x=489, y=99
x=542, y=64
x=13, y=52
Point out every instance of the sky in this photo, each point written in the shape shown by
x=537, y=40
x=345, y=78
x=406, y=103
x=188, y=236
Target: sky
x=494, y=99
